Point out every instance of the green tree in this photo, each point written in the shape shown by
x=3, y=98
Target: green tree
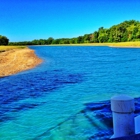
x=103, y=38
x=50, y=40
x=56, y=41
x=86, y=38
x=72, y=41
x=4, y=40
x=80, y=39
x=95, y=37
x=125, y=31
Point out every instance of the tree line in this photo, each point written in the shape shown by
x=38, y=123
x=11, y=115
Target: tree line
x=4, y=40
x=123, y=32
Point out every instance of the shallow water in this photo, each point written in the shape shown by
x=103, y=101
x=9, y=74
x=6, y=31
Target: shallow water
x=33, y=102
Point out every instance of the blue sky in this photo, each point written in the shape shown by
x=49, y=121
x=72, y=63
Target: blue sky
x=22, y=20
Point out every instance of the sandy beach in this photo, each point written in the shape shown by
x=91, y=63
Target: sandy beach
x=17, y=60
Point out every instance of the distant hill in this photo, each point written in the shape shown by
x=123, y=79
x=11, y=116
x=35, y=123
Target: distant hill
x=123, y=32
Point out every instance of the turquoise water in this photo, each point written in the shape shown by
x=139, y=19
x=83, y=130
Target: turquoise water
x=41, y=103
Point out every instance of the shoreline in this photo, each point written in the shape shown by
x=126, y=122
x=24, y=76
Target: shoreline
x=117, y=45
x=17, y=60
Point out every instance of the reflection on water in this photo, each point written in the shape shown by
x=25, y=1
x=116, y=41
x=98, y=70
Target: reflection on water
x=48, y=102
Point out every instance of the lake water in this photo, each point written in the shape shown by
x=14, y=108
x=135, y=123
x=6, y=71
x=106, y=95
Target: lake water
x=41, y=103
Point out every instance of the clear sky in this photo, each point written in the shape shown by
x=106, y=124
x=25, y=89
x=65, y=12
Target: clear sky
x=22, y=20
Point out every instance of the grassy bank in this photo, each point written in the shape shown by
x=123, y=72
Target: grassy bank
x=6, y=48
x=120, y=44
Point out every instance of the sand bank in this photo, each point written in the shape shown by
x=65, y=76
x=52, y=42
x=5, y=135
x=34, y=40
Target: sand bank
x=17, y=60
